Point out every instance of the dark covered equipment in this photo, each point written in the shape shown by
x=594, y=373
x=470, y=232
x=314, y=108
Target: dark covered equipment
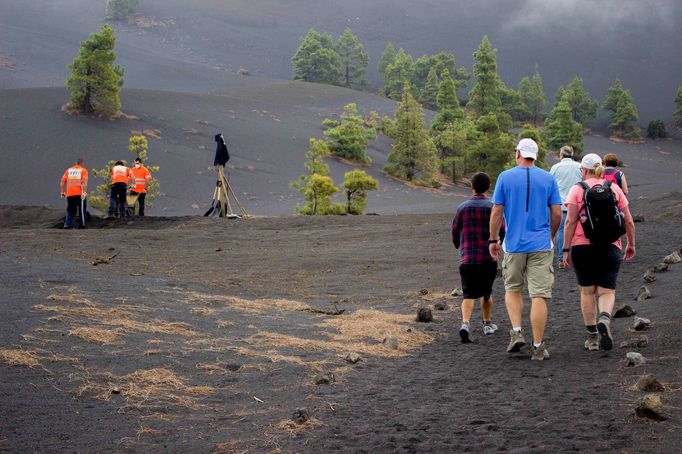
x=221, y=153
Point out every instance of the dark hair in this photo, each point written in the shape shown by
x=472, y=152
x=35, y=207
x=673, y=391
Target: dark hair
x=119, y=163
x=138, y=159
x=480, y=182
x=79, y=161
x=610, y=159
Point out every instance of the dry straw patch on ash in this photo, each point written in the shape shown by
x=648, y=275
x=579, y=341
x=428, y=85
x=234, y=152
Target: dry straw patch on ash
x=96, y=335
x=16, y=357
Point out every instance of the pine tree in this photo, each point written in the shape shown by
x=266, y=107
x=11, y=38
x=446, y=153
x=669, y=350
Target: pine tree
x=512, y=104
x=430, y=92
x=356, y=184
x=560, y=129
x=120, y=9
x=491, y=152
x=613, y=95
x=448, y=104
x=532, y=95
x=624, y=114
x=583, y=108
x=484, y=97
x=677, y=115
x=316, y=60
x=354, y=59
x=316, y=186
x=386, y=59
x=413, y=156
x=656, y=129
x=94, y=82
x=398, y=73
x=452, y=144
x=350, y=137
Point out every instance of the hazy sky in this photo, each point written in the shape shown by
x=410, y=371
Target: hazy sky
x=604, y=14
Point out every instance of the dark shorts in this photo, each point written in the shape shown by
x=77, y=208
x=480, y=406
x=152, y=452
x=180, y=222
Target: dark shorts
x=478, y=279
x=596, y=265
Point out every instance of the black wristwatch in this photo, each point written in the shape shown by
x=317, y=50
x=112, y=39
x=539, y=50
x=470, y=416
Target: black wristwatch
x=566, y=250
x=493, y=241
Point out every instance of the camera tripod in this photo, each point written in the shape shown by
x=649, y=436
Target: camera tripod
x=221, y=198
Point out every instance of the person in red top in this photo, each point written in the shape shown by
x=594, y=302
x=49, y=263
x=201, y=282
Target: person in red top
x=120, y=176
x=596, y=266
x=614, y=174
x=74, y=187
x=142, y=176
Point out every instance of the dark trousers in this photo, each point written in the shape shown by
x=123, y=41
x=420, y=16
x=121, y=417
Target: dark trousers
x=118, y=197
x=140, y=201
x=73, y=206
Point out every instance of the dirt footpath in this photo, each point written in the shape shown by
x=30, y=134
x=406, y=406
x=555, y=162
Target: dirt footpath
x=206, y=335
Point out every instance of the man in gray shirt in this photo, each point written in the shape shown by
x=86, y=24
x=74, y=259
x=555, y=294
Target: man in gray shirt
x=566, y=173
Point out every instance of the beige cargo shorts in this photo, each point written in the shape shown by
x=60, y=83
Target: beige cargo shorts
x=534, y=267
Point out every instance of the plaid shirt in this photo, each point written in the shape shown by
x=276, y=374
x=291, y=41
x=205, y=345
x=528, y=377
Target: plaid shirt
x=471, y=230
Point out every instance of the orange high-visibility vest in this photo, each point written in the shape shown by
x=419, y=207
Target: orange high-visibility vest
x=120, y=174
x=75, y=178
x=142, y=177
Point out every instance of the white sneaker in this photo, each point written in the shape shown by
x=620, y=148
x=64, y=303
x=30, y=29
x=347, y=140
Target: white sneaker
x=465, y=334
x=489, y=328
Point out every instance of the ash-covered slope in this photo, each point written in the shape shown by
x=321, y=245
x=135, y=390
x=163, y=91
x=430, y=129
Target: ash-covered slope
x=200, y=45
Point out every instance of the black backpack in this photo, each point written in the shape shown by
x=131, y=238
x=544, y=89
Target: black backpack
x=602, y=221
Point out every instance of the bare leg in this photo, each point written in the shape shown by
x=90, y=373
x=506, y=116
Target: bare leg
x=467, y=309
x=607, y=299
x=487, y=308
x=588, y=304
x=514, y=303
x=538, y=318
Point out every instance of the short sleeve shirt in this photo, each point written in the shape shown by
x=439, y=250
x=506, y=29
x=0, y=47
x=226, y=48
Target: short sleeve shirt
x=526, y=194
x=567, y=173
x=576, y=197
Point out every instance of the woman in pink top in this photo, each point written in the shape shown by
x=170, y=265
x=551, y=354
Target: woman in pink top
x=596, y=266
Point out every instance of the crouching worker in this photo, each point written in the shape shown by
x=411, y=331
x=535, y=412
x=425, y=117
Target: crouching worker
x=120, y=176
x=142, y=177
x=74, y=188
x=477, y=269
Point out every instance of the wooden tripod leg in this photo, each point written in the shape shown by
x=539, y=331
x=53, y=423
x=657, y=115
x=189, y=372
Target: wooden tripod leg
x=224, y=193
x=241, y=208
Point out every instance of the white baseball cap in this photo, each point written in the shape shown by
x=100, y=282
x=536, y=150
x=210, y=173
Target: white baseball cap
x=590, y=161
x=528, y=148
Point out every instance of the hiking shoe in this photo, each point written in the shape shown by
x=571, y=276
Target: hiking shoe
x=592, y=341
x=465, y=334
x=489, y=328
x=539, y=353
x=604, y=328
x=516, y=341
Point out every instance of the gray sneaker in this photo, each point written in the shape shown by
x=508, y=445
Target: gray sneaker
x=592, y=341
x=465, y=333
x=540, y=353
x=605, y=338
x=489, y=328
x=516, y=341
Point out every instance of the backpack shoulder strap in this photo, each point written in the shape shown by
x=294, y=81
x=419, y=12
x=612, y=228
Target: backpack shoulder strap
x=607, y=184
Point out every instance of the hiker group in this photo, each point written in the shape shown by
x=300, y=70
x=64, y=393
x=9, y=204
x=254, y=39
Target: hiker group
x=128, y=188
x=582, y=207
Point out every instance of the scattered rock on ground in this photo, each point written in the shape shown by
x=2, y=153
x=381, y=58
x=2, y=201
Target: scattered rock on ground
x=391, y=342
x=353, y=358
x=638, y=218
x=424, y=291
x=651, y=407
x=643, y=294
x=672, y=258
x=649, y=277
x=424, y=315
x=440, y=306
x=300, y=415
x=635, y=342
x=649, y=383
x=325, y=378
x=634, y=359
x=456, y=292
x=641, y=323
x=624, y=311
x=661, y=267
x=115, y=390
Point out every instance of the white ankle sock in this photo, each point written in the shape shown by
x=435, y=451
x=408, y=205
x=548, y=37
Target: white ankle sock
x=537, y=345
x=517, y=329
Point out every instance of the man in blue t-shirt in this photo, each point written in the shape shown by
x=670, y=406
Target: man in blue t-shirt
x=530, y=201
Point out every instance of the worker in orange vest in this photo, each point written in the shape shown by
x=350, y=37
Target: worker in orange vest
x=142, y=177
x=120, y=177
x=74, y=187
